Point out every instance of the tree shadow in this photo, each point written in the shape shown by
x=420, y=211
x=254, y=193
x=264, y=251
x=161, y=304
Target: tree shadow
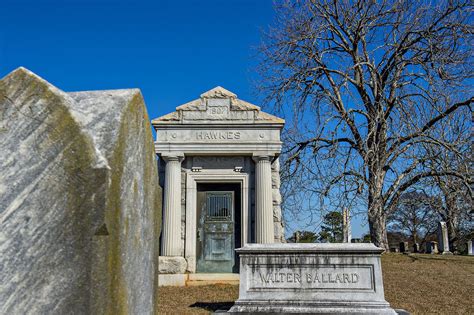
x=213, y=306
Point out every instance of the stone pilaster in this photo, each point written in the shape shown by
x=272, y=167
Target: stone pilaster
x=264, y=204
x=171, y=238
x=279, y=233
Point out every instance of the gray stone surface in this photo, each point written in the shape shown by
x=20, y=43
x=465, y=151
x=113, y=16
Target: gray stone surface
x=79, y=200
x=170, y=264
x=469, y=248
x=311, y=278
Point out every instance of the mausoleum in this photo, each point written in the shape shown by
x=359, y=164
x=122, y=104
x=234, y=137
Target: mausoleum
x=219, y=155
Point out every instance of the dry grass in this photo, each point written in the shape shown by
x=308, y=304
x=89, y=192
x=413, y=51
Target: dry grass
x=429, y=284
x=420, y=284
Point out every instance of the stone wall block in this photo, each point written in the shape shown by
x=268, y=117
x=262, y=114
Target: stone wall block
x=277, y=214
x=276, y=196
x=172, y=265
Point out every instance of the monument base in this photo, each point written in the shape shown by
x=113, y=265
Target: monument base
x=310, y=307
x=311, y=278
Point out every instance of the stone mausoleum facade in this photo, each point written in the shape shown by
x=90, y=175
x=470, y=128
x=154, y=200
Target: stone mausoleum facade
x=219, y=169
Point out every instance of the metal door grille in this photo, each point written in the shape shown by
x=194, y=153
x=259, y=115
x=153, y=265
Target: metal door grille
x=219, y=206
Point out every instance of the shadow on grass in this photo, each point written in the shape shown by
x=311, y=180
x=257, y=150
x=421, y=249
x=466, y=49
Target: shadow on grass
x=213, y=306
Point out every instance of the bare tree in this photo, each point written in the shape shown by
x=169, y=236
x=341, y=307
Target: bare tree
x=453, y=200
x=366, y=83
x=415, y=215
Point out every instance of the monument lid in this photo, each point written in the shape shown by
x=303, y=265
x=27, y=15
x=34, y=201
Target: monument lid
x=218, y=106
x=317, y=248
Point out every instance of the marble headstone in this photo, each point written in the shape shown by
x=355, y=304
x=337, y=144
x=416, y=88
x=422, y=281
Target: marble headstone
x=79, y=200
x=311, y=278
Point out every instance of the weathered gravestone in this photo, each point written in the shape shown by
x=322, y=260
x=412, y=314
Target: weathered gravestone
x=432, y=247
x=311, y=278
x=79, y=200
x=443, y=238
x=404, y=247
x=394, y=250
x=469, y=248
x=416, y=247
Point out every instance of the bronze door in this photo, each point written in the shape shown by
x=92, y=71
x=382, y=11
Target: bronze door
x=215, y=231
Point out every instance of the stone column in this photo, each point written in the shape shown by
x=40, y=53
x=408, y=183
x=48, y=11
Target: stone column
x=171, y=237
x=263, y=196
x=443, y=239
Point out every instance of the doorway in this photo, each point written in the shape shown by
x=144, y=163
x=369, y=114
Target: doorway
x=218, y=230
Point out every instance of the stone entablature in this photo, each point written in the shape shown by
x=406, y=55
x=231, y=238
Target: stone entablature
x=219, y=138
x=223, y=123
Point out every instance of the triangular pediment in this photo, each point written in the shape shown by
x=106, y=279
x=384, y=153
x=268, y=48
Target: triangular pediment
x=218, y=92
x=218, y=105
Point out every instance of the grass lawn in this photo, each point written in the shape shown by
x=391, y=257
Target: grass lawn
x=420, y=284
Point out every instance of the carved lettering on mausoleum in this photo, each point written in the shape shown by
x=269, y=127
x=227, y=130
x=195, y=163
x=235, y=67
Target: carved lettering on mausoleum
x=217, y=135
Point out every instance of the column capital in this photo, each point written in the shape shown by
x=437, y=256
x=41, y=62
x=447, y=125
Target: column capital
x=262, y=157
x=172, y=157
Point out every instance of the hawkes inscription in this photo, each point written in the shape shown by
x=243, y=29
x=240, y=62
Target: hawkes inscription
x=217, y=135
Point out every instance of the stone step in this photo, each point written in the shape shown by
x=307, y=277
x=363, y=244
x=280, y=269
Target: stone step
x=197, y=279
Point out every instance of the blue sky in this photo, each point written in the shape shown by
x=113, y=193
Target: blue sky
x=172, y=50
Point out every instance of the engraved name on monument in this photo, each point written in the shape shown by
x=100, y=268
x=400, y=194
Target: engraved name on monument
x=314, y=277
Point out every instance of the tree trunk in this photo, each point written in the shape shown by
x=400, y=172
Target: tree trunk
x=377, y=226
x=376, y=214
x=453, y=234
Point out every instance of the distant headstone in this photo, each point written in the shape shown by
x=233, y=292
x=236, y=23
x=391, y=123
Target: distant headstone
x=432, y=247
x=416, y=247
x=297, y=236
x=79, y=200
x=443, y=238
x=346, y=226
x=469, y=248
x=404, y=247
x=394, y=250
x=311, y=278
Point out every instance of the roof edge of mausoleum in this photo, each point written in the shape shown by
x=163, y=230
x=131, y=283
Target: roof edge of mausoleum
x=218, y=106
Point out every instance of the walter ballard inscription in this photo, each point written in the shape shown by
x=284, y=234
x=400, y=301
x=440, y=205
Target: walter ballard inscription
x=290, y=277
x=312, y=277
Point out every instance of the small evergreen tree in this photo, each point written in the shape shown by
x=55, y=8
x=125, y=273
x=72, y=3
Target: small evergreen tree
x=331, y=228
